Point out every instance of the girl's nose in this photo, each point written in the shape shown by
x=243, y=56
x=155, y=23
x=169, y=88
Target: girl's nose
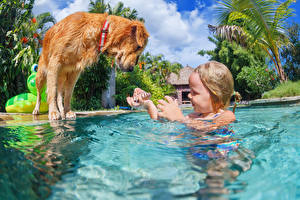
x=189, y=95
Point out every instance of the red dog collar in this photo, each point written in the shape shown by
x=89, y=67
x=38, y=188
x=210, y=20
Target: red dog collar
x=103, y=35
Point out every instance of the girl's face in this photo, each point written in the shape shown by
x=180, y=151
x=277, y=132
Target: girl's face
x=199, y=95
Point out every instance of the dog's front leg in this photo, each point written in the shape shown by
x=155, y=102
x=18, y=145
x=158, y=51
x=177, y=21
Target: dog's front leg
x=60, y=94
x=69, y=87
x=52, y=92
x=60, y=102
x=40, y=81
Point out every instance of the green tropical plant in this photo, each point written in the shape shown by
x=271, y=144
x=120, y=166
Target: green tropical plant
x=126, y=12
x=99, y=6
x=256, y=23
x=126, y=82
x=256, y=80
x=87, y=96
x=20, y=43
x=286, y=89
x=150, y=74
x=31, y=32
x=159, y=68
x=291, y=53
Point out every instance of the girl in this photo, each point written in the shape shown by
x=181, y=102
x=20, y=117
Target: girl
x=211, y=87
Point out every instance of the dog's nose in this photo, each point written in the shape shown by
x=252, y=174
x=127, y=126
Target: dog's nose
x=130, y=69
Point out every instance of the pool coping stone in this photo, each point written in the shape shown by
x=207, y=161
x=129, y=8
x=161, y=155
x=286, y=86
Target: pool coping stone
x=15, y=118
x=21, y=118
x=275, y=101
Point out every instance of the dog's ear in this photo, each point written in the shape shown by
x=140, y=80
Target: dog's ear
x=139, y=33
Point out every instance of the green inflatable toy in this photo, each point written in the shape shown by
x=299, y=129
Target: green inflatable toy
x=25, y=102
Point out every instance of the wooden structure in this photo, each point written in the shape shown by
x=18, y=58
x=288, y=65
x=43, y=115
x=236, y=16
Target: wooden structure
x=181, y=83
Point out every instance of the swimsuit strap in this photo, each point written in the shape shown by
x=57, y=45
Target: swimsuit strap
x=216, y=115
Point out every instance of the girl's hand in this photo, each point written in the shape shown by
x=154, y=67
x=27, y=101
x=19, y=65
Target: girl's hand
x=139, y=98
x=170, y=109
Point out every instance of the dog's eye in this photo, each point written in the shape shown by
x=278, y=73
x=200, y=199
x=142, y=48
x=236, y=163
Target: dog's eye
x=138, y=48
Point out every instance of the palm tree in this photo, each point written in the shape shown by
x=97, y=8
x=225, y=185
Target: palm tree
x=256, y=23
x=42, y=22
x=98, y=6
x=126, y=12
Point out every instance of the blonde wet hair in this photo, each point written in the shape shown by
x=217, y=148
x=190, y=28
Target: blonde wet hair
x=217, y=78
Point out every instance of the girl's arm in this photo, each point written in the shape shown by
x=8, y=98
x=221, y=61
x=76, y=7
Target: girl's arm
x=141, y=98
x=223, y=119
x=171, y=111
x=151, y=109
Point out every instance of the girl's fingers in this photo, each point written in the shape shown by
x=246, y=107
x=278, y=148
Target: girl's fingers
x=169, y=99
x=176, y=102
x=162, y=102
x=160, y=107
x=129, y=101
x=160, y=114
x=140, y=99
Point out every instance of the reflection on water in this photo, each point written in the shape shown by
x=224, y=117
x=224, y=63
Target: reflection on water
x=128, y=156
x=220, y=157
x=34, y=157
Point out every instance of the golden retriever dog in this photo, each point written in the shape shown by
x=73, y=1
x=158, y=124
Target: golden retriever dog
x=73, y=44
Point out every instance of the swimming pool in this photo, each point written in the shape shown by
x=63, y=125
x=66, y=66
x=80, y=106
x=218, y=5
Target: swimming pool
x=130, y=156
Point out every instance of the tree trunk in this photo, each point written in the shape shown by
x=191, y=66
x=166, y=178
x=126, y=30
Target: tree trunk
x=282, y=76
x=108, y=95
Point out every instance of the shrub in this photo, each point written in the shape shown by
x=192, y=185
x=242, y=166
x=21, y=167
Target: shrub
x=256, y=80
x=286, y=89
x=88, y=90
x=20, y=42
x=126, y=82
x=13, y=76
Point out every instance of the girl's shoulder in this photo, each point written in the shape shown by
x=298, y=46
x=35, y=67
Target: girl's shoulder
x=194, y=115
x=224, y=117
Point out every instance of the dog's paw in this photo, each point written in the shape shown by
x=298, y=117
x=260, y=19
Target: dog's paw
x=35, y=112
x=54, y=115
x=62, y=115
x=71, y=115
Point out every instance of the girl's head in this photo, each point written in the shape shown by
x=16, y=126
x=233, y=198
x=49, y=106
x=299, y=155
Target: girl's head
x=211, y=87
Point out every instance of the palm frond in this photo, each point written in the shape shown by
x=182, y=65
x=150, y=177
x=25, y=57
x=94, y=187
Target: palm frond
x=229, y=32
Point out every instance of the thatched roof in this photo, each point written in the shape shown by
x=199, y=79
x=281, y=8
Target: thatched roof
x=182, y=78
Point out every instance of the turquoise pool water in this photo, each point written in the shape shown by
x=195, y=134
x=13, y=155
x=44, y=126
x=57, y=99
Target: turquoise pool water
x=132, y=157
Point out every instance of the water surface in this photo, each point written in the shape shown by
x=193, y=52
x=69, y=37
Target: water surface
x=130, y=156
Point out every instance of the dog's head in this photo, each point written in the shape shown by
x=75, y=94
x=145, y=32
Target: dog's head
x=126, y=41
